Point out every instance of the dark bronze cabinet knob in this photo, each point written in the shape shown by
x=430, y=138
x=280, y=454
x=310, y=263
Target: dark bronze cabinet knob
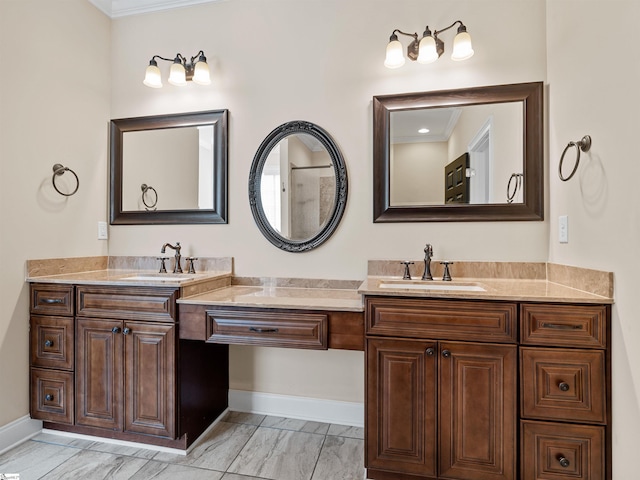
x=115, y=329
x=564, y=462
x=446, y=353
x=48, y=343
x=430, y=352
x=48, y=397
x=564, y=386
x=126, y=331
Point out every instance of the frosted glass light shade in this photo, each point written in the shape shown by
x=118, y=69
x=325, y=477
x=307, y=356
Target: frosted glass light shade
x=177, y=75
x=395, y=55
x=427, y=51
x=201, y=74
x=462, y=48
x=152, y=77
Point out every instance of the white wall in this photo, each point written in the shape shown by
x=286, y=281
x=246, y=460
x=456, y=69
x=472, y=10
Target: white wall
x=593, y=89
x=417, y=173
x=54, y=108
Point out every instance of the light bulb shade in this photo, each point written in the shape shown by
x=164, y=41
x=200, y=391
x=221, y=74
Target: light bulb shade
x=395, y=54
x=427, y=51
x=462, y=48
x=201, y=74
x=177, y=75
x=152, y=76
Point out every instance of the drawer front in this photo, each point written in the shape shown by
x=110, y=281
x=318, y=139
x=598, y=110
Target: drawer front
x=562, y=451
x=564, y=325
x=52, y=341
x=52, y=395
x=273, y=329
x=563, y=384
x=127, y=303
x=51, y=299
x=441, y=319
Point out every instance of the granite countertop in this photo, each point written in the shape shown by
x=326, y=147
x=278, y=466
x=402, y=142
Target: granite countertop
x=303, y=298
x=523, y=290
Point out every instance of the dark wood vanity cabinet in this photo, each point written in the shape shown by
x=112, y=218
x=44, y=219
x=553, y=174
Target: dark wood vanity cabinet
x=494, y=404
x=114, y=367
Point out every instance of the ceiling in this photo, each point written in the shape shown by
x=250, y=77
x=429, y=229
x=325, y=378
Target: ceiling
x=122, y=8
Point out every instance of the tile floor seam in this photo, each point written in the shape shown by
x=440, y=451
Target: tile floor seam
x=315, y=465
x=64, y=446
x=241, y=449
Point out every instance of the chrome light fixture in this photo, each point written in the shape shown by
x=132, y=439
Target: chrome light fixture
x=181, y=71
x=429, y=48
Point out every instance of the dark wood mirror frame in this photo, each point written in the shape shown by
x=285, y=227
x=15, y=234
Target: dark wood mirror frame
x=532, y=208
x=217, y=118
x=255, y=174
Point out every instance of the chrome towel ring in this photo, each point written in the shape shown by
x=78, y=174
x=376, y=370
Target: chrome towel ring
x=584, y=144
x=59, y=170
x=145, y=188
x=517, y=185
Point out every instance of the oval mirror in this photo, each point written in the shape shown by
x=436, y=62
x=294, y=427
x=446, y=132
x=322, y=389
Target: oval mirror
x=298, y=186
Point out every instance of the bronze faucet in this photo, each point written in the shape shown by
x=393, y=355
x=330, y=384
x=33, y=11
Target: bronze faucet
x=428, y=253
x=177, y=268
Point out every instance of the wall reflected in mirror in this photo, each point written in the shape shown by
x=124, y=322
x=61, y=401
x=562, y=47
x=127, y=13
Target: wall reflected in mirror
x=182, y=159
x=450, y=155
x=298, y=187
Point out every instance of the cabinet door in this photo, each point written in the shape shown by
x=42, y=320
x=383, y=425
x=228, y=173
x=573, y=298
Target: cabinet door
x=149, y=364
x=477, y=402
x=99, y=390
x=401, y=406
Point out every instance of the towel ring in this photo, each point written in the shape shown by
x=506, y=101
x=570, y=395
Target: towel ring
x=584, y=145
x=145, y=188
x=59, y=170
x=516, y=186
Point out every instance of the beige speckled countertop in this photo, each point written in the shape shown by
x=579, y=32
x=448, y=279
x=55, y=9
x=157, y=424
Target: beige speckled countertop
x=281, y=297
x=523, y=290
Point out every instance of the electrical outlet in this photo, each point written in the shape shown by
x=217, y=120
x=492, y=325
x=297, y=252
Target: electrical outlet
x=563, y=229
x=103, y=233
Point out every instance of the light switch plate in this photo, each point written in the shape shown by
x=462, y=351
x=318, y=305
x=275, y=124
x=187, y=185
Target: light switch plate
x=563, y=229
x=103, y=233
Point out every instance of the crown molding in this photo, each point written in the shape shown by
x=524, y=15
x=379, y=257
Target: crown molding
x=123, y=8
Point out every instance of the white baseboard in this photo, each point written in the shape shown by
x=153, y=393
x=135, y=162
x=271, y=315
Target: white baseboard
x=303, y=408
x=18, y=431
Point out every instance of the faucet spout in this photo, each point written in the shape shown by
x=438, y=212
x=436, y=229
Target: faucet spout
x=428, y=254
x=177, y=268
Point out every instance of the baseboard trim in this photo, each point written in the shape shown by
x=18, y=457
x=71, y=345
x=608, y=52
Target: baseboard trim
x=20, y=430
x=303, y=408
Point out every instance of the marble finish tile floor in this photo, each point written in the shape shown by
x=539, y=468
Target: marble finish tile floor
x=241, y=447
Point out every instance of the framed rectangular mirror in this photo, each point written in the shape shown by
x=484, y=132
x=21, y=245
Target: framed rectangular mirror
x=472, y=154
x=169, y=169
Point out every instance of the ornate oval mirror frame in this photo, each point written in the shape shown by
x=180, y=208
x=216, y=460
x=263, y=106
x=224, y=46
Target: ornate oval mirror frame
x=118, y=127
x=255, y=174
x=532, y=208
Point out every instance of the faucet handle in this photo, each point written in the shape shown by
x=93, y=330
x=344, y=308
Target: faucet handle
x=407, y=273
x=163, y=267
x=190, y=260
x=446, y=276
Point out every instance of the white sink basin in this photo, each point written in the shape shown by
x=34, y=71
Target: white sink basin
x=433, y=286
x=160, y=277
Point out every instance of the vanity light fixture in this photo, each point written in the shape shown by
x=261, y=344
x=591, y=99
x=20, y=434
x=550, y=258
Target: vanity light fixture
x=429, y=48
x=181, y=71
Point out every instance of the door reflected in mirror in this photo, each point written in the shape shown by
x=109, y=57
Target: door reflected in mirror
x=461, y=154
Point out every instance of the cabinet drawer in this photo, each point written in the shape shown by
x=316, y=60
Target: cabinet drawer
x=51, y=299
x=556, y=451
x=563, y=384
x=441, y=319
x=52, y=342
x=273, y=329
x=127, y=303
x=52, y=395
x=564, y=325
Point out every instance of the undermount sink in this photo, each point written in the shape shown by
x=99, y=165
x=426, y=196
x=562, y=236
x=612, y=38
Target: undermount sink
x=433, y=286
x=160, y=277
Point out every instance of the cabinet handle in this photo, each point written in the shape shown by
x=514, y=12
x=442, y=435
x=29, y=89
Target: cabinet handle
x=52, y=300
x=48, y=343
x=562, y=326
x=446, y=353
x=115, y=329
x=263, y=330
x=48, y=397
x=126, y=331
x=564, y=386
x=430, y=351
x=564, y=462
